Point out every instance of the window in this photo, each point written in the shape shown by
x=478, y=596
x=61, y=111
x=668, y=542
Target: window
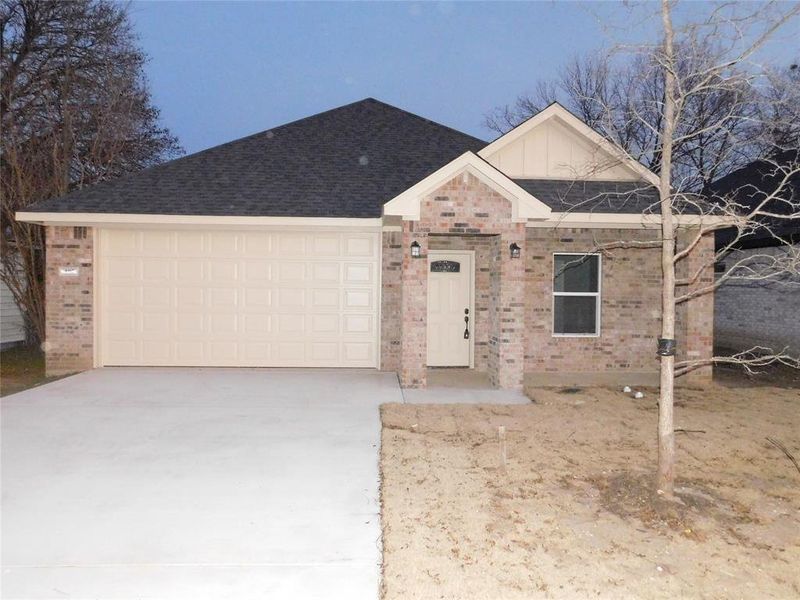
x=576, y=294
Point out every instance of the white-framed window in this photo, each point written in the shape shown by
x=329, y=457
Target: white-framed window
x=576, y=294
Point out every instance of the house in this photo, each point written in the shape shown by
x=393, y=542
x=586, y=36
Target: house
x=366, y=236
x=12, y=323
x=749, y=313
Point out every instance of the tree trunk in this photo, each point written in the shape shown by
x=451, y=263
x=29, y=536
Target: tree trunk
x=666, y=429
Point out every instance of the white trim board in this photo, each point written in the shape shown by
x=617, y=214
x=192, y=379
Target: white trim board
x=171, y=221
x=523, y=205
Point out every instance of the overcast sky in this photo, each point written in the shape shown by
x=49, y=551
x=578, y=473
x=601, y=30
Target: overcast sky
x=222, y=70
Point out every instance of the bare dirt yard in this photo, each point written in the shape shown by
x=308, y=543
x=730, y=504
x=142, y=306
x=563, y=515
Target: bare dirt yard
x=572, y=515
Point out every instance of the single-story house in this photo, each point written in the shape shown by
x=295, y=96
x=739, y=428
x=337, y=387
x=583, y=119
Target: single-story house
x=12, y=323
x=764, y=311
x=367, y=236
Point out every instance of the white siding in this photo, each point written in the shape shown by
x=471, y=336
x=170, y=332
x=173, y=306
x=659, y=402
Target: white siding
x=12, y=325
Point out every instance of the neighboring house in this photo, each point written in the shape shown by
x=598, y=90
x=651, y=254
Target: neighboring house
x=366, y=236
x=759, y=313
x=12, y=323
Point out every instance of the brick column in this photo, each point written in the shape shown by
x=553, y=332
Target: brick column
x=507, y=321
x=69, y=305
x=414, y=309
x=696, y=317
x=391, y=292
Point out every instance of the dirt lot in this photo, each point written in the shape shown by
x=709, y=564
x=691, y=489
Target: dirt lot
x=22, y=368
x=571, y=515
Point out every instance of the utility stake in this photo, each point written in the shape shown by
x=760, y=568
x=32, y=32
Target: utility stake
x=501, y=436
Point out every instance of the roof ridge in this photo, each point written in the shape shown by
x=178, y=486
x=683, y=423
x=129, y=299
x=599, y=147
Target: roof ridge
x=420, y=117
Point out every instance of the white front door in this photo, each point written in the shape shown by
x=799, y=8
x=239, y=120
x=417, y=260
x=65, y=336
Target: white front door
x=450, y=318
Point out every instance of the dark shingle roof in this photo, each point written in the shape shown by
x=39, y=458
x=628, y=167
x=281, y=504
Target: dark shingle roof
x=616, y=197
x=749, y=186
x=346, y=162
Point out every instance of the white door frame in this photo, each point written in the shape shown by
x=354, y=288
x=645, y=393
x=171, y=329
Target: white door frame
x=432, y=255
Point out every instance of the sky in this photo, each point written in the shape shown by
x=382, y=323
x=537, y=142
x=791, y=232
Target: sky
x=221, y=70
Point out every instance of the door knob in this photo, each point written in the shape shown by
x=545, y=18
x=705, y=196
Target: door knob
x=466, y=323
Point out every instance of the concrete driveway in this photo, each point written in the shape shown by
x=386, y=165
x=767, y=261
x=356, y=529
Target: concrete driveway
x=194, y=483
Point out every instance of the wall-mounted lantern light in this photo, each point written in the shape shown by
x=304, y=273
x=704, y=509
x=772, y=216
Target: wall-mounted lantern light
x=415, y=249
x=515, y=250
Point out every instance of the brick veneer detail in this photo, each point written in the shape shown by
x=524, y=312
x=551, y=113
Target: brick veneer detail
x=392, y=266
x=466, y=206
x=695, y=318
x=69, y=306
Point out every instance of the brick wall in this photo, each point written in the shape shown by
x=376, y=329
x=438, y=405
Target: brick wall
x=748, y=314
x=466, y=207
x=695, y=319
x=630, y=313
x=413, y=310
x=69, y=335
x=392, y=265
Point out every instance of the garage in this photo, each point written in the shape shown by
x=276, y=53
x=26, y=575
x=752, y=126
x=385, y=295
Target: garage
x=237, y=298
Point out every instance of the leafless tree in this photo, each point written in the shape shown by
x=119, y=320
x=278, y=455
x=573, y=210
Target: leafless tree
x=620, y=96
x=694, y=107
x=74, y=110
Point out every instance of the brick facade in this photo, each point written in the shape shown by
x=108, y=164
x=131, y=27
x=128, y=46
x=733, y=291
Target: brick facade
x=391, y=270
x=695, y=318
x=762, y=313
x=513, y=325
x=69, y=308
x=464, y=206
x=630, y=310
x=512, y=318
x=414, y=309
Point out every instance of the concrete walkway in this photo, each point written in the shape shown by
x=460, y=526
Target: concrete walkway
x=461, y=386
x=194, y=483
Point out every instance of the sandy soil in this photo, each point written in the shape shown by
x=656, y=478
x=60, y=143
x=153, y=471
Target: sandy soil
x=571, y=513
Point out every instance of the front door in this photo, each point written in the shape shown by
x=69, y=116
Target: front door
x=450, y=318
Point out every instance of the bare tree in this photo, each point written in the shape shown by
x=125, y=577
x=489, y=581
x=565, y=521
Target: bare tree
x=694, y=111
x=620, y=96
x=74, y=109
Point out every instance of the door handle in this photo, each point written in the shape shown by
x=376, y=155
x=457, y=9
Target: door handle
x=466, y=323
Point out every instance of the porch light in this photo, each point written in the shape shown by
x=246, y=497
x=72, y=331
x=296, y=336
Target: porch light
x=515, y=250
x=415, y=249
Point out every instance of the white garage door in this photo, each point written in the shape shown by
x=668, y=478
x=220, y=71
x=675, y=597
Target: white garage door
x=238, y=298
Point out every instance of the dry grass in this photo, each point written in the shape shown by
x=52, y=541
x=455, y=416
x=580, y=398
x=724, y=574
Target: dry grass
x=21, y=368
x=573, y=515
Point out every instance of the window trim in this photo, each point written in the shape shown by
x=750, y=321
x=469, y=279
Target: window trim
x=597, y=296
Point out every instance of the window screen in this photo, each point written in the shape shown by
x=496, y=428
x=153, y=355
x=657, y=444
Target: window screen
x=576, y=294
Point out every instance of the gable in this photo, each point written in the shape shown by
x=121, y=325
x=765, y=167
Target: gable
x=554, y=151
x=555, y=144
x=523, y=205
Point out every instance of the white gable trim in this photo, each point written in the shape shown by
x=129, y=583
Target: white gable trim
x=523, y=205
x=557, y=111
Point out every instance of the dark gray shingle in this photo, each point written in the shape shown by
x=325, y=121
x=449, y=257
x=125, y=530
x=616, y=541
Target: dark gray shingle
x=615, y=197
x=346, y=162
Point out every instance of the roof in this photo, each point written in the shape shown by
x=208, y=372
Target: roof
x=610, y=197
x=346, y=162
x=748, y=186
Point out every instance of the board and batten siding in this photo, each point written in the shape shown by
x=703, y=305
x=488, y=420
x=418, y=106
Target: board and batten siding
x=553, y=151
x=12, y=325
